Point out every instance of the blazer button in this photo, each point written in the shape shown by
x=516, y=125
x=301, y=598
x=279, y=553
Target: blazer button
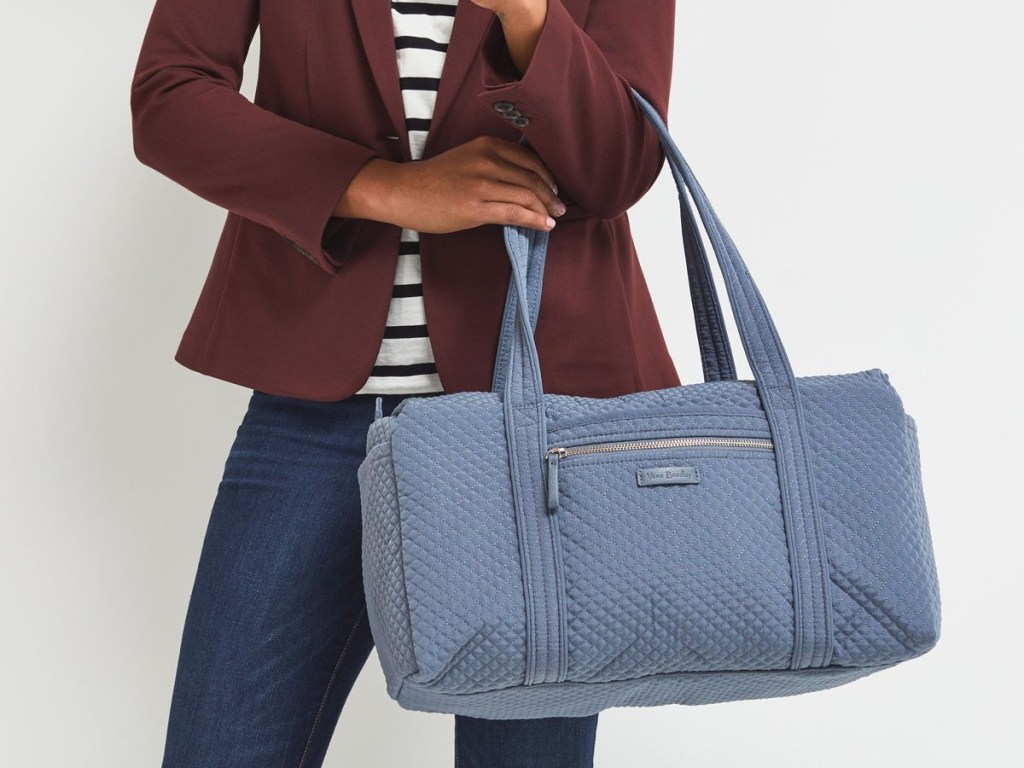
x=520, y=122
x=509, y=114
x=504, y=106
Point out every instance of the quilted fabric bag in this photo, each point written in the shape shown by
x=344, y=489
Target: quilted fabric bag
x=530, y=555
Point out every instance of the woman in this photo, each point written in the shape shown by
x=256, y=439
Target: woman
x=393, y=181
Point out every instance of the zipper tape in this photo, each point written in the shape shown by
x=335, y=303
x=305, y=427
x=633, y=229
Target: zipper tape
x=557, y=453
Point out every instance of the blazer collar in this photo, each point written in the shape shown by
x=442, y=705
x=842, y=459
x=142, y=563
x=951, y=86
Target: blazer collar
x=376, y=30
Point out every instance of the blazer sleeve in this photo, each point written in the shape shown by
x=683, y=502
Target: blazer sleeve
x=580, y=117
x=191, y=124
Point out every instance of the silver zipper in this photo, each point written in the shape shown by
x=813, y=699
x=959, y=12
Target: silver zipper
x=555, y=454
x=666, y=442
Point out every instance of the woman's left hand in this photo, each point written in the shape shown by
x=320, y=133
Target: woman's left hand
x=509, y=7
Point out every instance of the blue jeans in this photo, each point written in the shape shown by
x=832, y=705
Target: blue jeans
x=276, y=631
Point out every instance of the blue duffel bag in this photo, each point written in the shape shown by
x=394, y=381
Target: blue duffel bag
x=529, y=555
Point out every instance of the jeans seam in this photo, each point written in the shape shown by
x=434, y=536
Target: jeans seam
x=330, y=683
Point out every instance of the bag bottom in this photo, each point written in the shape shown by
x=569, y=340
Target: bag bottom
x=571, y=699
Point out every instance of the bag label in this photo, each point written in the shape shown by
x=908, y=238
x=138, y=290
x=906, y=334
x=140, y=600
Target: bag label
x=667, y=475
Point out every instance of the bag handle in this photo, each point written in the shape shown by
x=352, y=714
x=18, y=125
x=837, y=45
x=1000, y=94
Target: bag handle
x=527, y=249
x=525, y=416
x=712, y=337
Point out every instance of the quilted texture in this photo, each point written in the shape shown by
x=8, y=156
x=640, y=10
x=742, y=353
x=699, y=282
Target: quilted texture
x=665, y=590
x=504, y=583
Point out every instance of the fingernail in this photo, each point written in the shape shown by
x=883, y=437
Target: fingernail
x=559, y=207
x=554, y=188
x=550, y=222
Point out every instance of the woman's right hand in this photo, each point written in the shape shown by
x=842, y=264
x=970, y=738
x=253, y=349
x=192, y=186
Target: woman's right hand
x=487, y=180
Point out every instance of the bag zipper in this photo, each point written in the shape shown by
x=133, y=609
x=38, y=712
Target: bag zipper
x=556, y=454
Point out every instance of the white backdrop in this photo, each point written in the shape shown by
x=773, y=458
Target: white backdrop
x=866, y=158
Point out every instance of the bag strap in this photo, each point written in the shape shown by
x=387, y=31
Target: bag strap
x=773, y=377
x=712, y=337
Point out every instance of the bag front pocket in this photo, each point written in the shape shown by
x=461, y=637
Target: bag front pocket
x=674, y=556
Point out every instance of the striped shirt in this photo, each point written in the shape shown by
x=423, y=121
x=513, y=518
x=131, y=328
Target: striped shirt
x=405, y=362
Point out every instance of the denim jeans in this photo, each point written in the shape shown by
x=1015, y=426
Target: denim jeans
x=276, y=630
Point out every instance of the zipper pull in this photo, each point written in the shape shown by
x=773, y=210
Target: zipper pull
x=552, y=485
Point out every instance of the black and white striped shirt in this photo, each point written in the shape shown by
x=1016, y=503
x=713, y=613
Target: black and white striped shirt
x=405, y=362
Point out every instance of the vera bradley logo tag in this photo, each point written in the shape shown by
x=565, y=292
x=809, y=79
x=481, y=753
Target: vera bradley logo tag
x=667, y=475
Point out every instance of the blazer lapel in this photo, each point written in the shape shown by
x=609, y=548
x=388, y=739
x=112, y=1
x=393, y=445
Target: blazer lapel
x=376, y=30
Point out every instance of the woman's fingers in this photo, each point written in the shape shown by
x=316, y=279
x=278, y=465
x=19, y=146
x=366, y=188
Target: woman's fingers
x=509, y=154
x=514, y=172
x=513, y=204
x=487, y=180
x=526, y=158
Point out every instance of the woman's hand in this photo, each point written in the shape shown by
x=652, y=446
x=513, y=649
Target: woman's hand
x=487, y=180
x=521, y=22
x=502, y=7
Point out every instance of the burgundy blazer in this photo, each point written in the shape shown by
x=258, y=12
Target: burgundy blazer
x=296, y=300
